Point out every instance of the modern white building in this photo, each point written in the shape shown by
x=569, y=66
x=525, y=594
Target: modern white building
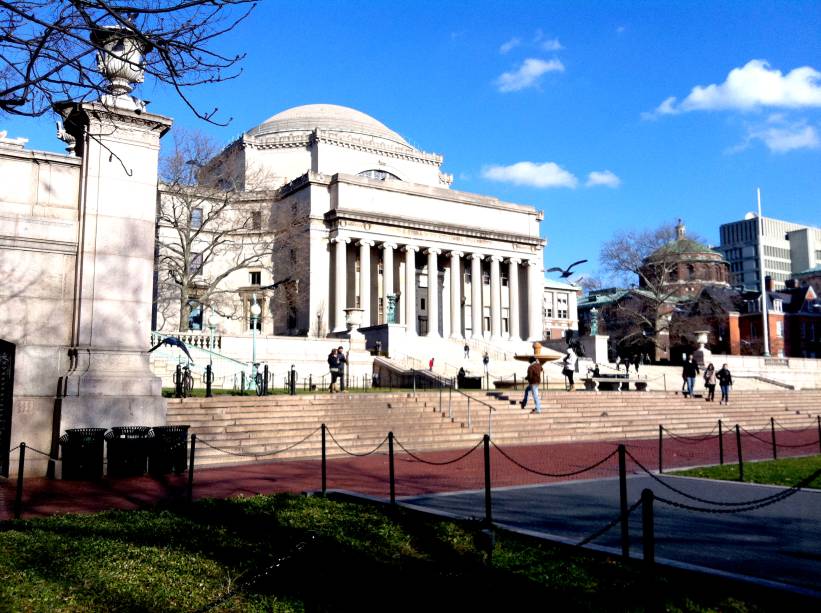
x=789, y=248
x=362, y=219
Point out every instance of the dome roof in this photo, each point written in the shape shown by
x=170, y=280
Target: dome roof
x=329, y=117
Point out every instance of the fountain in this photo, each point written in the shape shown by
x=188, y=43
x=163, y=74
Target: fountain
x=540, y=353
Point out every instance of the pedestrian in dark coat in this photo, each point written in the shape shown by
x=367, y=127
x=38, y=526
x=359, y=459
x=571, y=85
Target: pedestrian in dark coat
x=725, y=382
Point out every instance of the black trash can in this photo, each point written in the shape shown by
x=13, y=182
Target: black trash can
x=127, y=450
x=168, y=450
x=82, y=453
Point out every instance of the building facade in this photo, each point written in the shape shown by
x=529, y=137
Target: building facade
x=789, y=248
x=560, y=308
x=363, y=220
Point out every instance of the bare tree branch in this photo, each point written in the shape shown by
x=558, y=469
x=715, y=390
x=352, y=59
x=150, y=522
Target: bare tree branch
x=48, y=53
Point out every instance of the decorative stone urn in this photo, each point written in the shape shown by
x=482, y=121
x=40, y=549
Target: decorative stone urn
x=120, y=60
x=702, y=356
x=353, y=319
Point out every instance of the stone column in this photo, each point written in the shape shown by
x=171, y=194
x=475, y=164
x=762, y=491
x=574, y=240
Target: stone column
x=476, y=294
x=455, y=295
x=535, y=290
x=340, y=283
x=410, y=288
x=513, y=287
x=433, y=292
x=109, y=381
x=365, y=281
x=387, y=277
x=495, y=298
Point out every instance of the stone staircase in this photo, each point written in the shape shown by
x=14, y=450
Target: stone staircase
x=252, y=429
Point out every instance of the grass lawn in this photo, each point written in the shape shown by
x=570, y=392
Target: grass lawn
x=294, y=553
x=787, y=471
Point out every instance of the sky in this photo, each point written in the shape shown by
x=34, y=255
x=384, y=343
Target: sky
x=607, y=116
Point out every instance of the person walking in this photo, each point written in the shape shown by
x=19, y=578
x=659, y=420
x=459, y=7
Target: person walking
x=430, y=364
x=534, y=378
x=333, y=368
x=342, y=360
x=486, y=361
x=637, y=362
x=725, y=381
x=710, y=382
x=467, y=351
x=688, y=373
x=570, y=364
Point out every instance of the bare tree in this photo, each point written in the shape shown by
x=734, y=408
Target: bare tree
x=653, y=258
x=206, y=230
x=48, y=48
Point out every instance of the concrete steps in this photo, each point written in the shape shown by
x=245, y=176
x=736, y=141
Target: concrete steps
x=260, y=426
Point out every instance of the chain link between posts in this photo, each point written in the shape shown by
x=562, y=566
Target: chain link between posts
x=434, y=463
x=693, y=440
x=609, y=526
x=252, y=454
x=352, y=453
x=556, y=475
x=745, y=504
x=793, y=430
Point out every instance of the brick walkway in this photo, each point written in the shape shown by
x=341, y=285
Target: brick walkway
x=416, y=474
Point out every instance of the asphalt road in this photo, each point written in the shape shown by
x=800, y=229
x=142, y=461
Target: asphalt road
x=779, y=542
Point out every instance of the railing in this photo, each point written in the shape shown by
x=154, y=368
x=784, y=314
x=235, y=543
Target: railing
x=196, y=338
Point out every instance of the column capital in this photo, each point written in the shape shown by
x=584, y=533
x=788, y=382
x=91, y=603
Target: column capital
x=532, y=263
x=477, y=256
x=514, y=260
x=495, y=258
x=388, y=245
x=410, y=248
x=457, y=254
x=364, y=242
x=340, y=239
x=433, y=251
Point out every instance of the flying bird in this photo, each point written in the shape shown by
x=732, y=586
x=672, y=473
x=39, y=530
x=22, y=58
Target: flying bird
x=565, y=272
x=174, y=342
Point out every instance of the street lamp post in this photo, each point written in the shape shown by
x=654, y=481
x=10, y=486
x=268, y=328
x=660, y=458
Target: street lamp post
x=255, y=313
x=213, y=321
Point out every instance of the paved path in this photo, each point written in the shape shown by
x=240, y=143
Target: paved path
x=780, y=542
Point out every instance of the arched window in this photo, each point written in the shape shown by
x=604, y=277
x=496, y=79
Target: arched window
x=379, y=175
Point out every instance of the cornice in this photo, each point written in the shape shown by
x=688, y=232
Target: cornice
x=333, y=217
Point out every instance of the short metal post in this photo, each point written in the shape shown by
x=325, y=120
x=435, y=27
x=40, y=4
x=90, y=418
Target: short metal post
x=190, y=496
x=720, y=443
x=740, y=459
x=440, y=397
x=818, y=417
x=625, y=526
x=661, y=448
x=488, y=505
x=324, y=462
x=18, y=497
x=310, y=382
x=665, y=381
x=390, y=467
x=649, y=534
x=772, y=432
x=469, y=412
x=265, y=380
x=209, y=377
x=413, y=373
x=178, y=381
x=242, y=383
x=515, y=384
x=450, y=399
x=292, y=381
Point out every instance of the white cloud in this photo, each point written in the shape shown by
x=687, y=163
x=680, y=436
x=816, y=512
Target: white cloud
x=781, y=136
x=548, y=174
x=527, y=75
x=752, y=86
x=551, y=45
x=604, y=177
x=511, y=44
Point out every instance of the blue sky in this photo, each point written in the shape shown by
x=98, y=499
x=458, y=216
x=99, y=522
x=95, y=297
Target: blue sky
x=605, y=115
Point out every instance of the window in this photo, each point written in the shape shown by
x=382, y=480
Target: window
x=467, y=278
x=779, y=329
x=778, y=305
x=423, y=280
x=504, y=281
x=196, y=264
x=561, y=306
x=379, y=175
x=485, y=278
x=256, y=220
x=195, y=316
x=422, y=304
x=196, y=218
x=256, y=277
